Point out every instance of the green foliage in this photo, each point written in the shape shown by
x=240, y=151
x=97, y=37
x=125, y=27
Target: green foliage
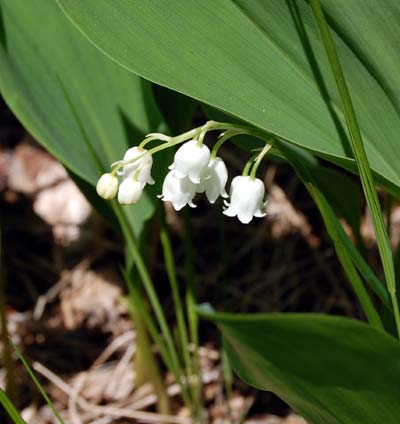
x=10, y=408
x=79, y=105
x=360, y=155
x=331, y=370
x=260, y=61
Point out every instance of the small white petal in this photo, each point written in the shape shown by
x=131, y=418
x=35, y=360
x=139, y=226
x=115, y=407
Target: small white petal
x=213, y=181
x=245, y=216
x=179, y=191
x=260, y=214
x=230, y=211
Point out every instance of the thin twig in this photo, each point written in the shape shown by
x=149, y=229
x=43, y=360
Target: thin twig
x=146, y=417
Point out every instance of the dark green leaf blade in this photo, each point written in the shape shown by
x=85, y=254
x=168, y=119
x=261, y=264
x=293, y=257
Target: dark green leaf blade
x=77, y=103
x=331, y=370
x=260, y=61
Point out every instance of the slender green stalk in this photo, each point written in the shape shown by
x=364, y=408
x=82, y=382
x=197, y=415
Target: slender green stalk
x=151, y=293
x=37, y=383
x=200, y=132
x=10, y=408
x=258, y=160
x=228, y=379
x=145, y=363
x=192, y=315
x=224, y=137
x=137, y=300
x=334, y=229
x=248, y=165
x=345, y=259
x=361, y=158
x=180, y=316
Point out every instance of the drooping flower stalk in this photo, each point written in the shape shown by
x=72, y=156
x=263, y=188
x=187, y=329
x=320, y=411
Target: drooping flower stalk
x=194, y=170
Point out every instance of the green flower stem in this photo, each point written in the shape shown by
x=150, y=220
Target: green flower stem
x=258, y=160
x=173, y=141
x=334, y=229
x=248, y=165
x=155, y=303
x=180, y=316
x=145, y=362
x=224, y=137
x=193, y=318
x=138, y=304
x=203, y=132
x=152, y=137
x=361, y=158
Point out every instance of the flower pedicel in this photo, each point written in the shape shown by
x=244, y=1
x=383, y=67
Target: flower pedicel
x=195, y=170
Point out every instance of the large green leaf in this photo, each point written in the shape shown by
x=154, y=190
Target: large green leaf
x=331, y=370
x=378, y=47
x=78, y=104
x=260, y=61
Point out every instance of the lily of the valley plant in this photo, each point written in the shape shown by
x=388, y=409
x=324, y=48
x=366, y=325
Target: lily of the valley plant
x=195, y=170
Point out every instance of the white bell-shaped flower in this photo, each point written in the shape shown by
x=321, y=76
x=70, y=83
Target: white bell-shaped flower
x=107, y=186
x=214, y=180
x=179, y=191
x=130, y=191
x=140, y=168
x=191, y=160
x=247, y=199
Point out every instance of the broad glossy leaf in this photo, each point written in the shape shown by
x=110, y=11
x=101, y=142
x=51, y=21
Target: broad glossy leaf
x=331, y=370
x=78, y=104
x=373, y=35
x=260, y=61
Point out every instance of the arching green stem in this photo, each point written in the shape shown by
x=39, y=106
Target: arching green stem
x=258, y=160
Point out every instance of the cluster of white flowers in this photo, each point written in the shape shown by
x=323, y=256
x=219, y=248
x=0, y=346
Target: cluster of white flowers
x=194, y=170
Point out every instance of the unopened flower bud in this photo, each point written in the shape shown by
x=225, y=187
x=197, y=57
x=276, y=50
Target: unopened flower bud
x=129, y=191
x=107, y=186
